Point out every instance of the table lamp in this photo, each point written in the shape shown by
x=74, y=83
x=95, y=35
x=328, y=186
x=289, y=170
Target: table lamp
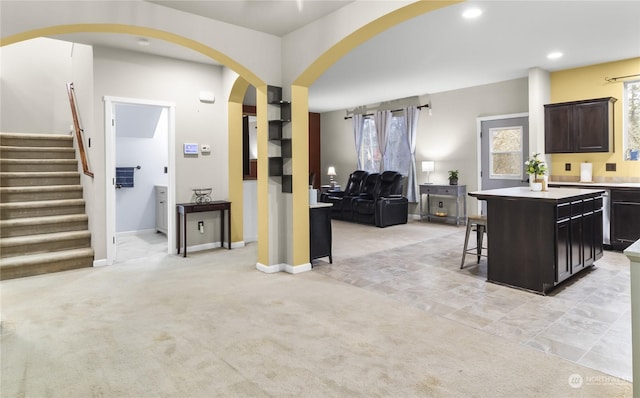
x=332, y=174
x=428, y=166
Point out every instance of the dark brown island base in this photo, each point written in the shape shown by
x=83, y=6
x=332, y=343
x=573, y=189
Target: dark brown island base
x=539, y=239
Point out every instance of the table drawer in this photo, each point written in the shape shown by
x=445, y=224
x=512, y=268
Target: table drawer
x=439, y=190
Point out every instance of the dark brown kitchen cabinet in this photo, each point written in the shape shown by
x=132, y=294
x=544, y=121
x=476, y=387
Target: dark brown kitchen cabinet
x=578, y=235
x=320, y=232
x=625, y=217
x=563, y=246
x=579, y=126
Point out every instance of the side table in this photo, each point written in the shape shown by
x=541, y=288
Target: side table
x=458, y=192
x=186, y=208
x=320, y=231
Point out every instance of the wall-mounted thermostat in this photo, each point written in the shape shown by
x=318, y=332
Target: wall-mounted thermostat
x=205, y=148
x=190, y=149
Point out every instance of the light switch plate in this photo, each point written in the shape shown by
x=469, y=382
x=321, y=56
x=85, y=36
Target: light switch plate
x=205, y=148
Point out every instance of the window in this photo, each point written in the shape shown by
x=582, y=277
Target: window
x=369, y=152
x=505, y=153
x=631, y=122
x=397, y=155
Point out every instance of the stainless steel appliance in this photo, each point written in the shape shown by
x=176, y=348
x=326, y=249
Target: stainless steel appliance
x=606, y=212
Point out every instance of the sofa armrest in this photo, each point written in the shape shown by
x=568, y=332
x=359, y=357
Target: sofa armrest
x=391, y=211
x=325, y=196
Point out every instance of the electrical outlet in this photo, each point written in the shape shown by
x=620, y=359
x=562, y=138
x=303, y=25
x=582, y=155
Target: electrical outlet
x=440, y=205
x=567, y=167
x=201, y=226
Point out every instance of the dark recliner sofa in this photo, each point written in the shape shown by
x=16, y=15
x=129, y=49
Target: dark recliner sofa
x=386, y=205
x=370, y=198
x=342, y=199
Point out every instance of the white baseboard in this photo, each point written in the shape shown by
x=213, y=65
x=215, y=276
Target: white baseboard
x=270, y=269
x=298, y=268
x=101, y=263
x=237, y=244
x=204, y=246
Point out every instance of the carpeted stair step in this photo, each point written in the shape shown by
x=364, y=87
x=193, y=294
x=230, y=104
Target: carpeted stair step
x=38, y=165
x=42, y=208
x=49, y=192
x=36, y=140
x=44, y=243
x=25, y=152
x=36, y=264
x=22, y=179
x=42, y=225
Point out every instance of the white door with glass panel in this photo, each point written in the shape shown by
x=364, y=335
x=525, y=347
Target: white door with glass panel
x=504, y=147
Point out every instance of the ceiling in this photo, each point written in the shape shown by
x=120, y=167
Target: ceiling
x=434, y=52
x=274, y=17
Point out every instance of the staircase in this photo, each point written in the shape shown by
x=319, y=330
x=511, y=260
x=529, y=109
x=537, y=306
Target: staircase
x=43, y=225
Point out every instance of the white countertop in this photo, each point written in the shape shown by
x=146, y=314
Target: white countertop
x=527, y=193
x=320, y=204
x=598, y=184
x=633, y=251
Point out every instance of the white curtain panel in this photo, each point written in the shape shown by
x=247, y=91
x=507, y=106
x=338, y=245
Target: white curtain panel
x=411, y=115
x=358, y=126
x=383, y=124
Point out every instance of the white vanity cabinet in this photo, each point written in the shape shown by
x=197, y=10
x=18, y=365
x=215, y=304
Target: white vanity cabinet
x=161, y=209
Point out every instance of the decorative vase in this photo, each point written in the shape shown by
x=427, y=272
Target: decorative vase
x=532, y=180
x=536, y=186
x=453, y=181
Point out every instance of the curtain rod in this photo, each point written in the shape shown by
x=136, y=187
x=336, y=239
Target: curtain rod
x=394, y=110
x=613, y=79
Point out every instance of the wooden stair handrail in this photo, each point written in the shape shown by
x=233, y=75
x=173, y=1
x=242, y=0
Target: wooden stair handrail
x=76, y=124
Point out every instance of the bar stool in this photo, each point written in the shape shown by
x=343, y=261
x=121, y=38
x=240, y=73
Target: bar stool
x=480, y=223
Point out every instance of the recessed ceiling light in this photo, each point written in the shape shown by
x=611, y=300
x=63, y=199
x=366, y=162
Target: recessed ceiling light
x=554, y=55
x=143, y=42
x=472, y=13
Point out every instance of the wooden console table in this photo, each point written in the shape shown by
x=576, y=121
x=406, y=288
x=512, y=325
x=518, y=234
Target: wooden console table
x=186, y=208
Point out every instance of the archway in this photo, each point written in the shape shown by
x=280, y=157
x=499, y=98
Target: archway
x=244, y=77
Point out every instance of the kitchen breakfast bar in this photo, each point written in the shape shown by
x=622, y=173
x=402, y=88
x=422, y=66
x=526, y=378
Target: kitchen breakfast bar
x=540, y=239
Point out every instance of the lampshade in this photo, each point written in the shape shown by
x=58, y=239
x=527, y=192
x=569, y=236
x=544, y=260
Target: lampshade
x=331, y=171
x=428, y=165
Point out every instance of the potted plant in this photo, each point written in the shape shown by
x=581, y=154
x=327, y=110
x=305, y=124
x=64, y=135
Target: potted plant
x=536, y=167
x=453, y=177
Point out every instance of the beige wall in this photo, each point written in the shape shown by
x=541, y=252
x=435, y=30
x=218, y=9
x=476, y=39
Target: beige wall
x=33, y=84
x=448, y=136
x=134, y=75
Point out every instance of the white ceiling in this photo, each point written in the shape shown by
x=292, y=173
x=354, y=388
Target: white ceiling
x=435, y=52
x=275, y=17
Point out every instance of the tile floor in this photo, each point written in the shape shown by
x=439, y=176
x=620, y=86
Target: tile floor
x=587, y=321
x=137, y=245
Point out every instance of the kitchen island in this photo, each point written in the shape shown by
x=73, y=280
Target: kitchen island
x=540, y=239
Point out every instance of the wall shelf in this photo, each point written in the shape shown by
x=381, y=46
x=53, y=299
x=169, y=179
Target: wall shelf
x=276, y=127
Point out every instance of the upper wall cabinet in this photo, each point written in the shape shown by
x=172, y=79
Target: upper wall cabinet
x=579, y=126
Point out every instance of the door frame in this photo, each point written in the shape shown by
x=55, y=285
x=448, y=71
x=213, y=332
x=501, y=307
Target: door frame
x=110, y=169
x=479, y=121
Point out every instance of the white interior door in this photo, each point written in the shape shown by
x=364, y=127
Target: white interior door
x=110, y=165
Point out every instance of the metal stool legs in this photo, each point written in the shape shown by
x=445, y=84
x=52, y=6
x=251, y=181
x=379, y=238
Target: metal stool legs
x=481, y=229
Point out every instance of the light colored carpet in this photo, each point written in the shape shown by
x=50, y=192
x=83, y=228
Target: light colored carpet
x=212, y=325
